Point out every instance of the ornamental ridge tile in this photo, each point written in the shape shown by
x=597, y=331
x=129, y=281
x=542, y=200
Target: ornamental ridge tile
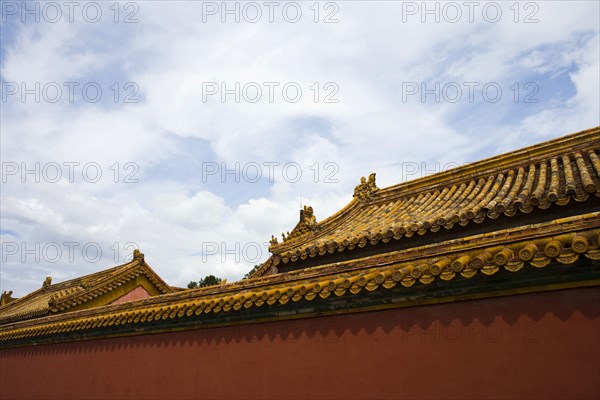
x=59, y=297
x=549, y=174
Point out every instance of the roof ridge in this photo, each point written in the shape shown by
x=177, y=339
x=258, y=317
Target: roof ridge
x=536, y=176
x=516, y=253
x=20, y=299
x=513, y=159
x=108, y=275
x=66, y=294
x=125, y=273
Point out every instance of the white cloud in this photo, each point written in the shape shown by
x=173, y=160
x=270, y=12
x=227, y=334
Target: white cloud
x=170, y=53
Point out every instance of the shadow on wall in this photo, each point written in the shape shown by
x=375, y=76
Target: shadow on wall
x=512, y=319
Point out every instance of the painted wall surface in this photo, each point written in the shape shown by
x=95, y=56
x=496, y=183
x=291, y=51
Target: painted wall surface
x=136, y=294
x=543, y=345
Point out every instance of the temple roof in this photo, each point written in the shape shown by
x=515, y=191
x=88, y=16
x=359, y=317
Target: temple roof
x=75, y=293
x=546, y=175
x=536, y=258
x=559, y=248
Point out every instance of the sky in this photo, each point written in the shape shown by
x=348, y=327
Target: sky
x=196, y=130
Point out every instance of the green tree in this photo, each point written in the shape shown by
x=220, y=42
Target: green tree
x=247, y=275
x=208, y=280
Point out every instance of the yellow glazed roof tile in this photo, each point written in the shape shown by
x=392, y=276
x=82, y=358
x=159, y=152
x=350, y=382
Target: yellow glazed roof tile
x=559, y=172
x=512, y=257
x=53, y=298
x=553, y=173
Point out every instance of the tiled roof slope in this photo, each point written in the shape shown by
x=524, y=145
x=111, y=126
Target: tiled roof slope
x=533, y=251
x=545, y=175
x=59, y=297
x=557, y=250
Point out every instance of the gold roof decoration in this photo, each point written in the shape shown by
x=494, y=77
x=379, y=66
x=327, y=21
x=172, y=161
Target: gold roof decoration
x=307, y=223
x=47, y=282
x=92, y=290
x=138, y=255
x=6, y=297
x=367, y=189
x=550, y=174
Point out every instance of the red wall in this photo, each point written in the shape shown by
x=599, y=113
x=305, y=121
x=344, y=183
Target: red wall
x=544, y=345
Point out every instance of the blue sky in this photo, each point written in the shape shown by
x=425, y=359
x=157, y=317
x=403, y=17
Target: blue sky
x=165, y=158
